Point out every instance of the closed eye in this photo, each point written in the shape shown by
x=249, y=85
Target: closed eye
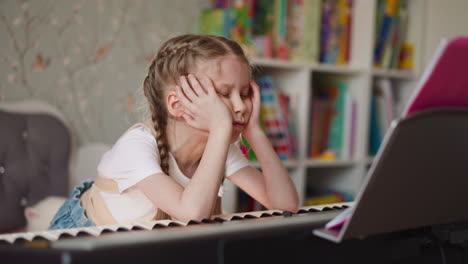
x=247, y=95
x=224, y=95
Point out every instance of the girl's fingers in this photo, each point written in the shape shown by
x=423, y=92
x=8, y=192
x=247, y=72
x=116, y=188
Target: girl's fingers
x=189, y=119
x=183, y=98
x=197, y=88
x=255, y=87
x=255, y=90
x=188, y=91
x=208, y=84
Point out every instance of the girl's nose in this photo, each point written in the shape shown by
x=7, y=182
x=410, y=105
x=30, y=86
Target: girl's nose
x=238, y=104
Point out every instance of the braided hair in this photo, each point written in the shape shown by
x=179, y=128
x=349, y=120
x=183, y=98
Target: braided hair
x=176, y=57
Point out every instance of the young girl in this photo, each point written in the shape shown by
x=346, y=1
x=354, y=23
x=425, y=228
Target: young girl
x=202, y=98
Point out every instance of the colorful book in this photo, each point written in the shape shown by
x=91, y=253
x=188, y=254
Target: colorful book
x=304, y=18
x=214, y=21
x=273, y=119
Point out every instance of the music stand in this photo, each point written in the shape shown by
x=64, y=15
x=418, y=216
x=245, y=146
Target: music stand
x=420, y=174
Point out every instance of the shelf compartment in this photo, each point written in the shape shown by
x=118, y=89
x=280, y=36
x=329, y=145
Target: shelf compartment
x=396, y=74
x=318, y=163
x=290, y=164
x=279, y=64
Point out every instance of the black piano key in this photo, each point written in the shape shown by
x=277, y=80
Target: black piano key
x=337, y=207
x=302, y=211
x=65, y=235
x=207, y=221
x=327, y=209
x=344, y=206
x=249, y=216
x=287, y=213
x=219, y=220
x=173, y=224
x=20, y=241
x=313, y=210
x=104, y=231
x=265, y=215
x=277, y=213
x=236, y=218
x=193, y=222
x=157, y=226
x=83, y=234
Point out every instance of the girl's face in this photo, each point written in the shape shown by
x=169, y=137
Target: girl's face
x=231, y=76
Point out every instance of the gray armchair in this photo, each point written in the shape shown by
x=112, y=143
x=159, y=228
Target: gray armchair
x=34, y=162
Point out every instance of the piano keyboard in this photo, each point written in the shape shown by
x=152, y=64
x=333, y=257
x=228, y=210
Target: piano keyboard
x=38, y=238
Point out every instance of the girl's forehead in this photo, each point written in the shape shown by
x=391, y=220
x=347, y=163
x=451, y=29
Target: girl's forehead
x=229, y=70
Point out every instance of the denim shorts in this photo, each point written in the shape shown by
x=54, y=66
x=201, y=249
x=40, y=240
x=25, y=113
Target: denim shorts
x=71, y=214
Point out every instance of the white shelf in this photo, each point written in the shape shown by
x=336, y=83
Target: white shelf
x=295, y=65
x=329, y=163
x=341, y=69
x=290, y=164
x=279, y=64
x=296, y=78
x=396, y=74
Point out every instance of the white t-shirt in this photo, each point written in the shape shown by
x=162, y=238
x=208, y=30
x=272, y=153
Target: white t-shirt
x=134, y=157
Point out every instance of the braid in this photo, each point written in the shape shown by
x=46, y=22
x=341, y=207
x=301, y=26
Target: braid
x=179, y=49
x=154, y=94
x=158, y=117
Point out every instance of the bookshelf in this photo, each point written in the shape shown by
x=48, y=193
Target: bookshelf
x=298, y=80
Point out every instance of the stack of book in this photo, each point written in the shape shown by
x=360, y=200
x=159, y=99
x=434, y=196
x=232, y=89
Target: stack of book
x=391, y=49
x=300, y=30
x=230, y=20
x=383, y=112
x=277, y=120
x=335, y=33
x=334, y=115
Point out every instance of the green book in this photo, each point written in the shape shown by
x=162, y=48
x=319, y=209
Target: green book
x=336, y=90
x=312, y=25
x=213, y=22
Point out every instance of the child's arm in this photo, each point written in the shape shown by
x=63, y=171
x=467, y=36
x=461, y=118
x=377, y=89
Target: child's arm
x=196, y=200
x=273, y=188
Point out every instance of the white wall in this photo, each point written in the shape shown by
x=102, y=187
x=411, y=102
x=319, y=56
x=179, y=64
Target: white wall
x=444, y=19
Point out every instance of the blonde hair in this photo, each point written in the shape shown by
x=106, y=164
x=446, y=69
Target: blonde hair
x=176, y=57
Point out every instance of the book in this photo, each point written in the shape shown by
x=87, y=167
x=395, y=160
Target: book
x=335, y=31
x=375, y=135
x=303, y=26
x=214, y=21
x=445, y=80
x=383, y=112
x=349, y=127
x=274, y=118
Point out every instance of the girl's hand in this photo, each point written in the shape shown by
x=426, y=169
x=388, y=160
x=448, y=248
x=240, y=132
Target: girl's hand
x=203, y=109
x=254, y=122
